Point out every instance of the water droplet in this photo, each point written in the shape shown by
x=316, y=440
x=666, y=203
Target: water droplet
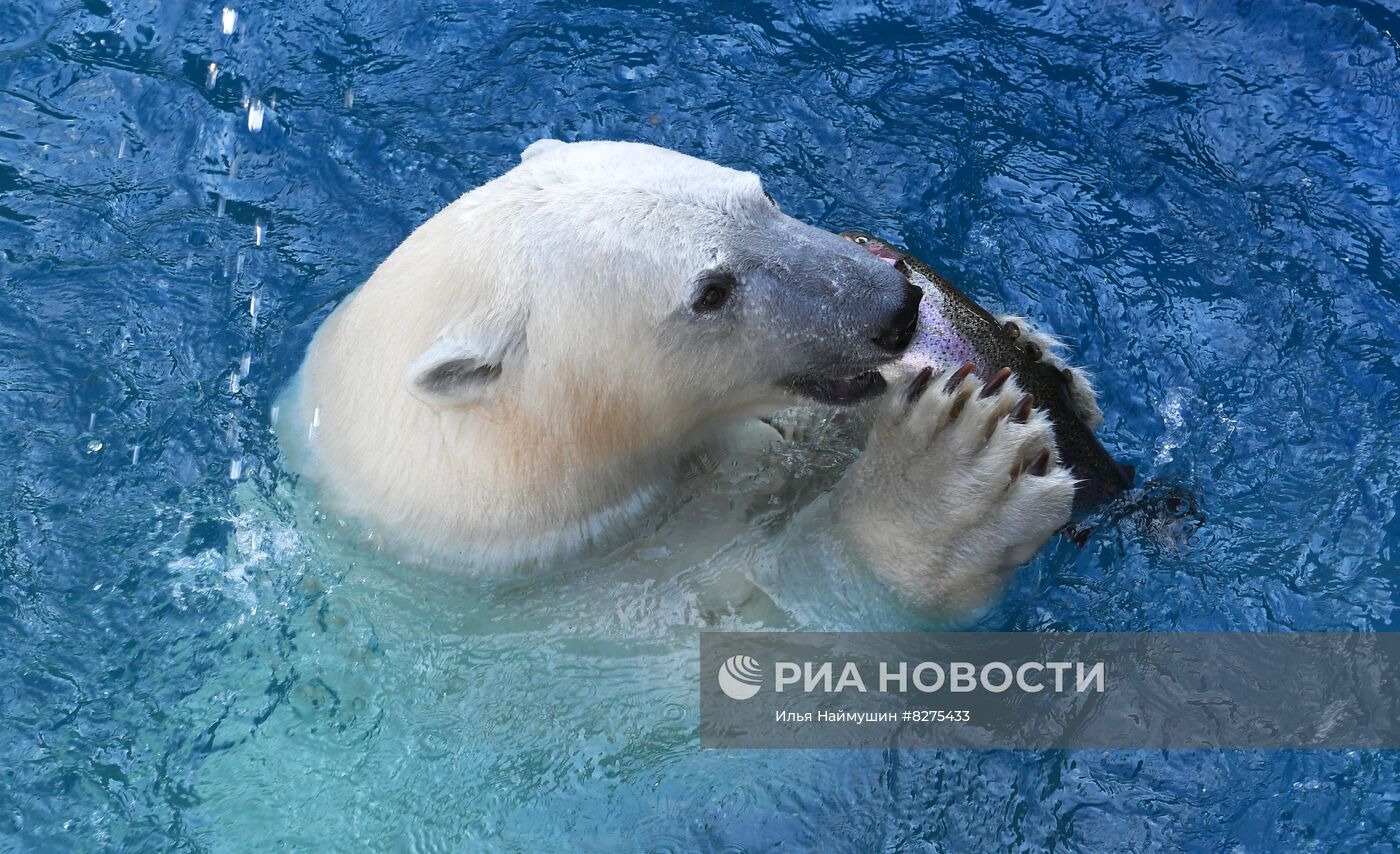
x=212, y=76
x=228, y=21
x=349, y=99
x=245, y=364
x=253, y=307
x=135, y=454
x=94, y=446
x=276, y=413
x=255, y=116
x=235, y=469
x=121, y=149
x=233, y=382
x=257, y=232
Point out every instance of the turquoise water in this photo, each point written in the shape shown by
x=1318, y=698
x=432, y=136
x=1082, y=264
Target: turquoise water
x=1201, y=197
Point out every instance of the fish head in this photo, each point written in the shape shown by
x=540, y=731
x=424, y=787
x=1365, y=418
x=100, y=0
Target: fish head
x=875, y=246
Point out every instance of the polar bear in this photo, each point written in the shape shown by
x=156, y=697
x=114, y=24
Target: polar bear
x=522, y=379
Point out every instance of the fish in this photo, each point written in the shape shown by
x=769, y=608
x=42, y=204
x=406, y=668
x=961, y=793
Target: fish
x=954, y=330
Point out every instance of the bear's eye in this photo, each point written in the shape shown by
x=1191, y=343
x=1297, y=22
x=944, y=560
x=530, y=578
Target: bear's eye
x=714, y=292
x=712, y=298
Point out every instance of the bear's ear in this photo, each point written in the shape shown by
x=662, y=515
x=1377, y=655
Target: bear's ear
x=462, y=366
x=540, y=146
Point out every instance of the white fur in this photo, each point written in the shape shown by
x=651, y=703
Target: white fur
x=588, y=413
x=498, y=395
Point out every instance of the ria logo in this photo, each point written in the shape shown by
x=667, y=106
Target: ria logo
x=740, y=677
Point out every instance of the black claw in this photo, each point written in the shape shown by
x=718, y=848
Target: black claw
x=1033, y=350
x=1011, y=329
x=997, y=382
x=1041, y=464
x=958, y=376
x=956, y=409
x=1068, y=375
x=1023, y=408
x=918, y=384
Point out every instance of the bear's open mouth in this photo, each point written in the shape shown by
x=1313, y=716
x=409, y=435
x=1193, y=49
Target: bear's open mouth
x=836, y=390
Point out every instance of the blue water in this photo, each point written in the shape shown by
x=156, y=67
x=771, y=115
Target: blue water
x=1200, y=196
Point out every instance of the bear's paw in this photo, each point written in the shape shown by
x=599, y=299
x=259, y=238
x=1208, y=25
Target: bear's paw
x=960, y=482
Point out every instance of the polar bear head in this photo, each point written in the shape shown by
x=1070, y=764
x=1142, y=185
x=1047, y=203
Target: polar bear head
x=531, y=358
x=613, y=268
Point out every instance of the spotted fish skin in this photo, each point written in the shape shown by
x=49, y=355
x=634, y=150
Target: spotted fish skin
x=937, y=341
x=955, y=330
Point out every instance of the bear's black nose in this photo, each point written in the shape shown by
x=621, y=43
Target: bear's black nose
x=900, y=332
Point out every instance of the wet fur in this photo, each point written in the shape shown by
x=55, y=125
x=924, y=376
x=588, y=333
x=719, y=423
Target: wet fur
x=593, y=390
